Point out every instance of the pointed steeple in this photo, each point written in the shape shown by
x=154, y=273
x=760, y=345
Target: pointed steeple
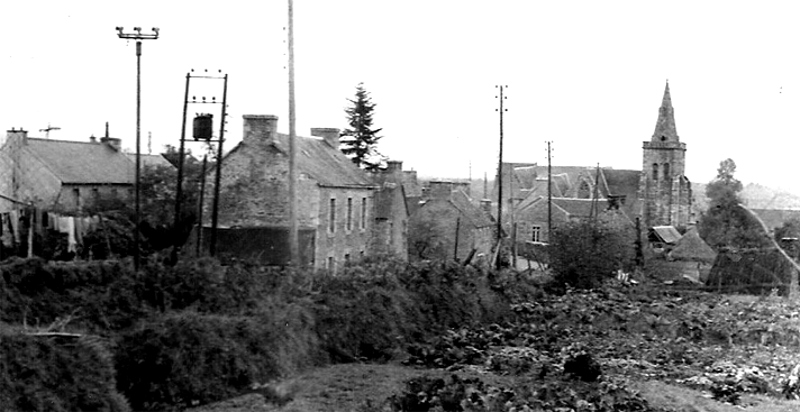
x=665, y=126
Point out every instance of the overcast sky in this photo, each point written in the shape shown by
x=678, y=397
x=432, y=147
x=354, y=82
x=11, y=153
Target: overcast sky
x=587, y=75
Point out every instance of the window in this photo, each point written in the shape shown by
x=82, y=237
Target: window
x=349, y=214
x=77, y=194
x=332, y=217
x=363, y=213
x=536, y=233
x=655, y=171
x=666, y=171
x=330, y=264
x=361, y=254
x=95, y=194
x=346, y=258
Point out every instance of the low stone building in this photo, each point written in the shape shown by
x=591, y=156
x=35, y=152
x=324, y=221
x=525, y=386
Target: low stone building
x=337, y=210
x=531, y=217
x=61, y=175
x=449, y=226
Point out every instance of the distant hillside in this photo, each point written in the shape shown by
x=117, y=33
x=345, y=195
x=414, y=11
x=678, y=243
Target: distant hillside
x=754, y=195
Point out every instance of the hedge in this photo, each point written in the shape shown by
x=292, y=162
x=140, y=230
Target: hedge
x=54, y=374
x=200, y=331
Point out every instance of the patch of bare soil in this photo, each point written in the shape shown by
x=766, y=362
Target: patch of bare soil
x=656, y=349
x=365, y=387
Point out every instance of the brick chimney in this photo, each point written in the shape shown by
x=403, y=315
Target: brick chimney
x=329, y=134
x=20, y=134
x=440, y=190
x=260, y=128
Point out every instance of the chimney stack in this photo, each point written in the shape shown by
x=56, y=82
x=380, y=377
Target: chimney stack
x=329, y=134
x=394, y=168
x=260, y=128
x=112, y=142
x=20, y=134
x=440, y=189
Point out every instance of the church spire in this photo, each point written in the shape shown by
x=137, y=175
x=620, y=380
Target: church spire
x=665, y=126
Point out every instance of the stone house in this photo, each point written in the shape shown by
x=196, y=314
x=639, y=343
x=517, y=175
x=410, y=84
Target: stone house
x=60, y=175
x=531, y=216
x=448, y=225
x=336, y=200
x=390, y=229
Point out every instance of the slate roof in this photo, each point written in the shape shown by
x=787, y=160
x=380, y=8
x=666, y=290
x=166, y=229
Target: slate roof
x=82, y=162
x=666, y=234
x=150, y=160
x=411, y=184
x=461, y=201
x=581, y=208
x=621, y=182
x=325, y=164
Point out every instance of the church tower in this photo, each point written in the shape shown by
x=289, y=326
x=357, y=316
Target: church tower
x=665, y=192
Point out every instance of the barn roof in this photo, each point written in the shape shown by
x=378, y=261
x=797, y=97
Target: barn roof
x=692, y=247
x=82, y=162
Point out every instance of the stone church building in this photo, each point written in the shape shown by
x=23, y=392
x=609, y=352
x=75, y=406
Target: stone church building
x=664, y=190
x=659, y=194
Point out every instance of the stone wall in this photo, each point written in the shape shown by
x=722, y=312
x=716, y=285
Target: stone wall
x=338, y=244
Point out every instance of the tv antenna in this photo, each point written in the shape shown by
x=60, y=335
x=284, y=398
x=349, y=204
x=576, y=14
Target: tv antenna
x=48, y=129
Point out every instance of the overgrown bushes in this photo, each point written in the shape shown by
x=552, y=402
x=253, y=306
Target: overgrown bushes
x=186, y=358
x=583, y=254
x=200, y=331
x=55, y=374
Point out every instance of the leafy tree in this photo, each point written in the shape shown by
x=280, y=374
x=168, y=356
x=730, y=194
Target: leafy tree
x=157, y=196
x=426, y=240
x=584, y=253
x=359, y=140
x=726, y=224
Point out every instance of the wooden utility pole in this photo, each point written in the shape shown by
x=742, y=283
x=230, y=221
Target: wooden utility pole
x=455, y=249
x=500, y=178
x=594, y=212
x=549, y=194
x=294, y=248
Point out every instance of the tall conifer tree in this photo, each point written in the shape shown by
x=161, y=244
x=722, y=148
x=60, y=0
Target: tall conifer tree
x=359, y=141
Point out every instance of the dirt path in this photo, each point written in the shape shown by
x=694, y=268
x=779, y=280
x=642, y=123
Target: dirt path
x=341, y=388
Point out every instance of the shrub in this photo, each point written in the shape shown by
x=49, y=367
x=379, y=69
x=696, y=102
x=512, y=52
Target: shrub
x=584, y=253
x=99, y=296
x=49, y=373
x=185, y=358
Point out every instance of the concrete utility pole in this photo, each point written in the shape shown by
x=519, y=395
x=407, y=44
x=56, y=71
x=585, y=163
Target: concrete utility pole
x=294, y=248
x=138, y=36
